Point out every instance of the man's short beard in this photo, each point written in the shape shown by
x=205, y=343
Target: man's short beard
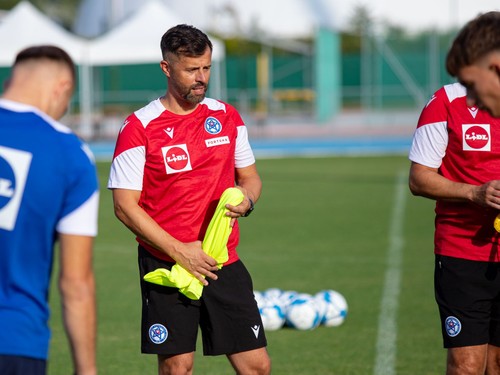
x=194, y=99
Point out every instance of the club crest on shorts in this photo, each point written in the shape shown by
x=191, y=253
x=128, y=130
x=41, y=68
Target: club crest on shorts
x=158, y=333
x=452, y=326
x=212, y=125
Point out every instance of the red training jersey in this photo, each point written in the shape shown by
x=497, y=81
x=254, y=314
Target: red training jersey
x=181, y=164
x=464, y=144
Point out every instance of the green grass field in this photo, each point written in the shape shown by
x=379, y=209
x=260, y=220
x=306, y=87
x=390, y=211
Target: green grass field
x=342, y=223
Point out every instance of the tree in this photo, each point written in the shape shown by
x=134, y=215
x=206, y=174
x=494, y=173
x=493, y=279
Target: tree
x=359, y=24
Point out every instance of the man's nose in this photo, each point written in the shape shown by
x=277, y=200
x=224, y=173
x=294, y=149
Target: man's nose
x=201, y=76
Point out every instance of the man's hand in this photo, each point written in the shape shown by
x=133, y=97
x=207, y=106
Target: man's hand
x=488, y=194
x=239, y=210
x=192, y=257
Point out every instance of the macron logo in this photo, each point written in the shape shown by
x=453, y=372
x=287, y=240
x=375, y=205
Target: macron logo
x=473, y=111
x=170, y=132
x=430, y=101
x=124, y=124
x=256, y=330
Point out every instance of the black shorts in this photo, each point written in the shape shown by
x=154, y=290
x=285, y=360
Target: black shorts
x=468, y=296
x=227, y=313
x=17, y=365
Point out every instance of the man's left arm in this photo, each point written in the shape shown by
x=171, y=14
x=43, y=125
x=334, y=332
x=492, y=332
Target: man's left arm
x=249, y=182
x=77, y=288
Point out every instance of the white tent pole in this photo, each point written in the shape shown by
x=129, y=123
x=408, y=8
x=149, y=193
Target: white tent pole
x=86, y=130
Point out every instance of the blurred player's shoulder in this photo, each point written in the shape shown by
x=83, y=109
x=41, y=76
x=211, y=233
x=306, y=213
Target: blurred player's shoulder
x=445, y=96
x=454, y=91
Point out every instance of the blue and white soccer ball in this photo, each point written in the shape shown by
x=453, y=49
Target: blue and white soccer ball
x=272, y=296
x=300, y=310
x=332, y=306
x=272, y=317
x=302, y=313
x=270, y=308
x=259, y=298
x=287, y=298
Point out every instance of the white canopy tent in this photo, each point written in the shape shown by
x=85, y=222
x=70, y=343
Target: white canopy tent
x=137, y=40
x=264, y=19
x=276, y=19
x=25, y=26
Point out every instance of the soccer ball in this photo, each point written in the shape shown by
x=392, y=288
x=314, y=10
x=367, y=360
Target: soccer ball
x=300, y=310
x=272, y=295
x=332, y=306
x=302, y=313
x=259, y=298
x=270, y=309
x=287, y=298
x=272, y=316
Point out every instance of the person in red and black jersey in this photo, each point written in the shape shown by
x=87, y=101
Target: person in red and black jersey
x=455, y=160
x=173, y=159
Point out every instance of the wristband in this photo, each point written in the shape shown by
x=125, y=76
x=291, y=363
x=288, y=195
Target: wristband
x=250, y=209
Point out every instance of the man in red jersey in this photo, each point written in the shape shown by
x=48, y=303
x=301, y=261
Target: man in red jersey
x=173, y=159
x=455, y=158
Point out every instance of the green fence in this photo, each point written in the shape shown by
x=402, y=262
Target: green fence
x=385, y=74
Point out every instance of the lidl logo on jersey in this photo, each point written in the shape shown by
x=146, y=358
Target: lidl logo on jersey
x=212, y=125
x=176, y=159
x=476, y=137
x=14, y=168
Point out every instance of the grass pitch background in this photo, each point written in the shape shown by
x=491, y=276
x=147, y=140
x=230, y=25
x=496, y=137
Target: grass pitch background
x=321, y=223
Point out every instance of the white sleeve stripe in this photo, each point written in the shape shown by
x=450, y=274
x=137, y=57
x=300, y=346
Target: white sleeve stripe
x=243, y=154
x=83, y=220
x=429, y=144
x=127, y=169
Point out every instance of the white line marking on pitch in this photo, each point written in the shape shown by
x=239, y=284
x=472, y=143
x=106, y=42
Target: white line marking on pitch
x=385, y=361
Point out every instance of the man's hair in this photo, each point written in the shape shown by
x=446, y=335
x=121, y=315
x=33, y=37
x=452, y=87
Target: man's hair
x=184, y=40
x=49, y=52
x=477, y=38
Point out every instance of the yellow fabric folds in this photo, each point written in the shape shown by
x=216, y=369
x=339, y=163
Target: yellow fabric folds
x=214, y=244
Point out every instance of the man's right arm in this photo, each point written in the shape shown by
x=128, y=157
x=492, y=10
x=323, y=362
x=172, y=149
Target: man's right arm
x=429, y=147
x=188, y=255
x=427, y=182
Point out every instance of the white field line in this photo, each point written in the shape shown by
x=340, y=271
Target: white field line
x=385, y=360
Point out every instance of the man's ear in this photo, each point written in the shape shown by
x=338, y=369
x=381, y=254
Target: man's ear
x=62, y=90
x=495, y=64
x=496, y=69
x=65, y=86
x=165, y=67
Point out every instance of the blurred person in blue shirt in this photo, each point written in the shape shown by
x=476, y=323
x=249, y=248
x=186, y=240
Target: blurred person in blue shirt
x=48, y=193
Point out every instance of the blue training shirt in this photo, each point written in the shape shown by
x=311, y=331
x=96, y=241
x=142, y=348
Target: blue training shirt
x=48, y=185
